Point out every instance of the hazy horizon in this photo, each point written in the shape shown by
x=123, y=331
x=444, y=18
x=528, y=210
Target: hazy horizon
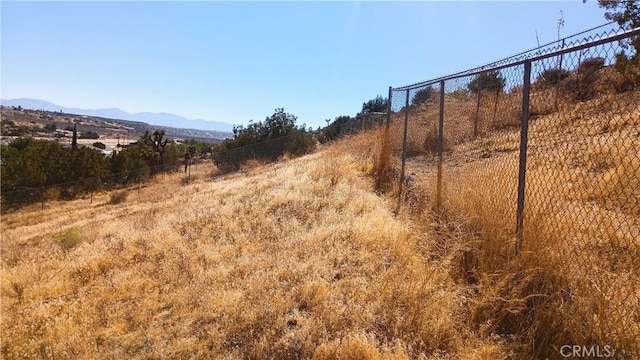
x=236, y=62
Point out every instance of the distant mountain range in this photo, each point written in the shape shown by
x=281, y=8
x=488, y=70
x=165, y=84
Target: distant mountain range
x=160, y=119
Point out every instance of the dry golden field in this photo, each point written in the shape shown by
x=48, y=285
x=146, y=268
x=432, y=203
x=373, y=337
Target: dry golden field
x=300, y=259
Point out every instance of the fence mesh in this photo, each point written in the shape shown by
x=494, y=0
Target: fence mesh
x=562, y=125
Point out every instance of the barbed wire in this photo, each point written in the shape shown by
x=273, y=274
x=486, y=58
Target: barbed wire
x=510, y=59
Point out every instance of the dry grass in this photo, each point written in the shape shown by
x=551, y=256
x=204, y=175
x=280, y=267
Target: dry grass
x=573, y=283
x=299, y=259
x=309, y=257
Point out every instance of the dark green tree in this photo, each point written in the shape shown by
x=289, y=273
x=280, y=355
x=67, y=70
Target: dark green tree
x=490, y=80
x=266, y=141
x=89, y=135
x=280, y=124
x=51, y=127
x=625, y=12
x=333, y=130
x=379, y=104
x=423, y=95
x=156, y=145
x=552, y=76
x=29, y=164
x=74, y=140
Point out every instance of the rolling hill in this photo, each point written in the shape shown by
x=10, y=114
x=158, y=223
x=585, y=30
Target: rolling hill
x=160, y=119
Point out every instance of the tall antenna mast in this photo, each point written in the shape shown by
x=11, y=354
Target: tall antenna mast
x=560, y=24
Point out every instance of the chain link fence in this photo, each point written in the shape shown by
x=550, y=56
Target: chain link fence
x=541, y=151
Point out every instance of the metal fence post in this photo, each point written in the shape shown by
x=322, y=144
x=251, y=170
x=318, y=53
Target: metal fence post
x=389, y=108
x=440, y=141
x=404, y=142
x=524, y=128
x=495, y=106
x=558, y=78
x=477, y=119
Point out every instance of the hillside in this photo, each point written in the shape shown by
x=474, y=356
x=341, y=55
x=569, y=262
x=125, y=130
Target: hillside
x=581, y=239
x=155, y=119
x=305, y=259
x=299, y=259
x=110, y=131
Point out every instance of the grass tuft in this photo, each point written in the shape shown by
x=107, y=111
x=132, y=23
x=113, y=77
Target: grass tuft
x=69, y=238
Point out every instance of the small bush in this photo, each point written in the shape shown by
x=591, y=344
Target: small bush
x=424, y=95
x=627, y=77
x=552, y=77
x=460, y=94
x=581, y=86
x=99, y=145
x=89, y=135
x=69, y=238
x=118, y=197
x=591, y=64
x=490, y=80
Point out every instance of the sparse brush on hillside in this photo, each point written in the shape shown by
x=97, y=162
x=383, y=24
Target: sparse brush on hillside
x=580, y=204
x=69, y=238
x=118, y=197
x=299, y=259
x=263, y=141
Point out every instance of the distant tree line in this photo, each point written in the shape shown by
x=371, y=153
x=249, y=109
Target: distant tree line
x=29, y=164
x=266, y=141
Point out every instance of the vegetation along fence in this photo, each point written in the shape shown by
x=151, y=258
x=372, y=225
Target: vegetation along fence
x=541, y=151
x=126, y=180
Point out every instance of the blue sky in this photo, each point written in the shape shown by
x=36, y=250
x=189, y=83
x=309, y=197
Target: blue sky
x=238, y=61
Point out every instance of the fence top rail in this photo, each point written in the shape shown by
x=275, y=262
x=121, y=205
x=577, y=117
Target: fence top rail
x=371, y=113
x=540, y=53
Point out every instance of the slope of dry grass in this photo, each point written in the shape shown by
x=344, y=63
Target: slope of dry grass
x=574, y=282
x=299, y=259
x=311, y=258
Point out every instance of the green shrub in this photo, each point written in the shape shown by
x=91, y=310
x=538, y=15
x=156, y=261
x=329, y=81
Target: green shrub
x=334, y=129
x=552, y=76
x=423, y=95
x=69, y=238
x=89, y=135
x=379, y=104
x=628, y=71
x=490, y=80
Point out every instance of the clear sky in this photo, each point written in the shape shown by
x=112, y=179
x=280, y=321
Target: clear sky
x=238, y=61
